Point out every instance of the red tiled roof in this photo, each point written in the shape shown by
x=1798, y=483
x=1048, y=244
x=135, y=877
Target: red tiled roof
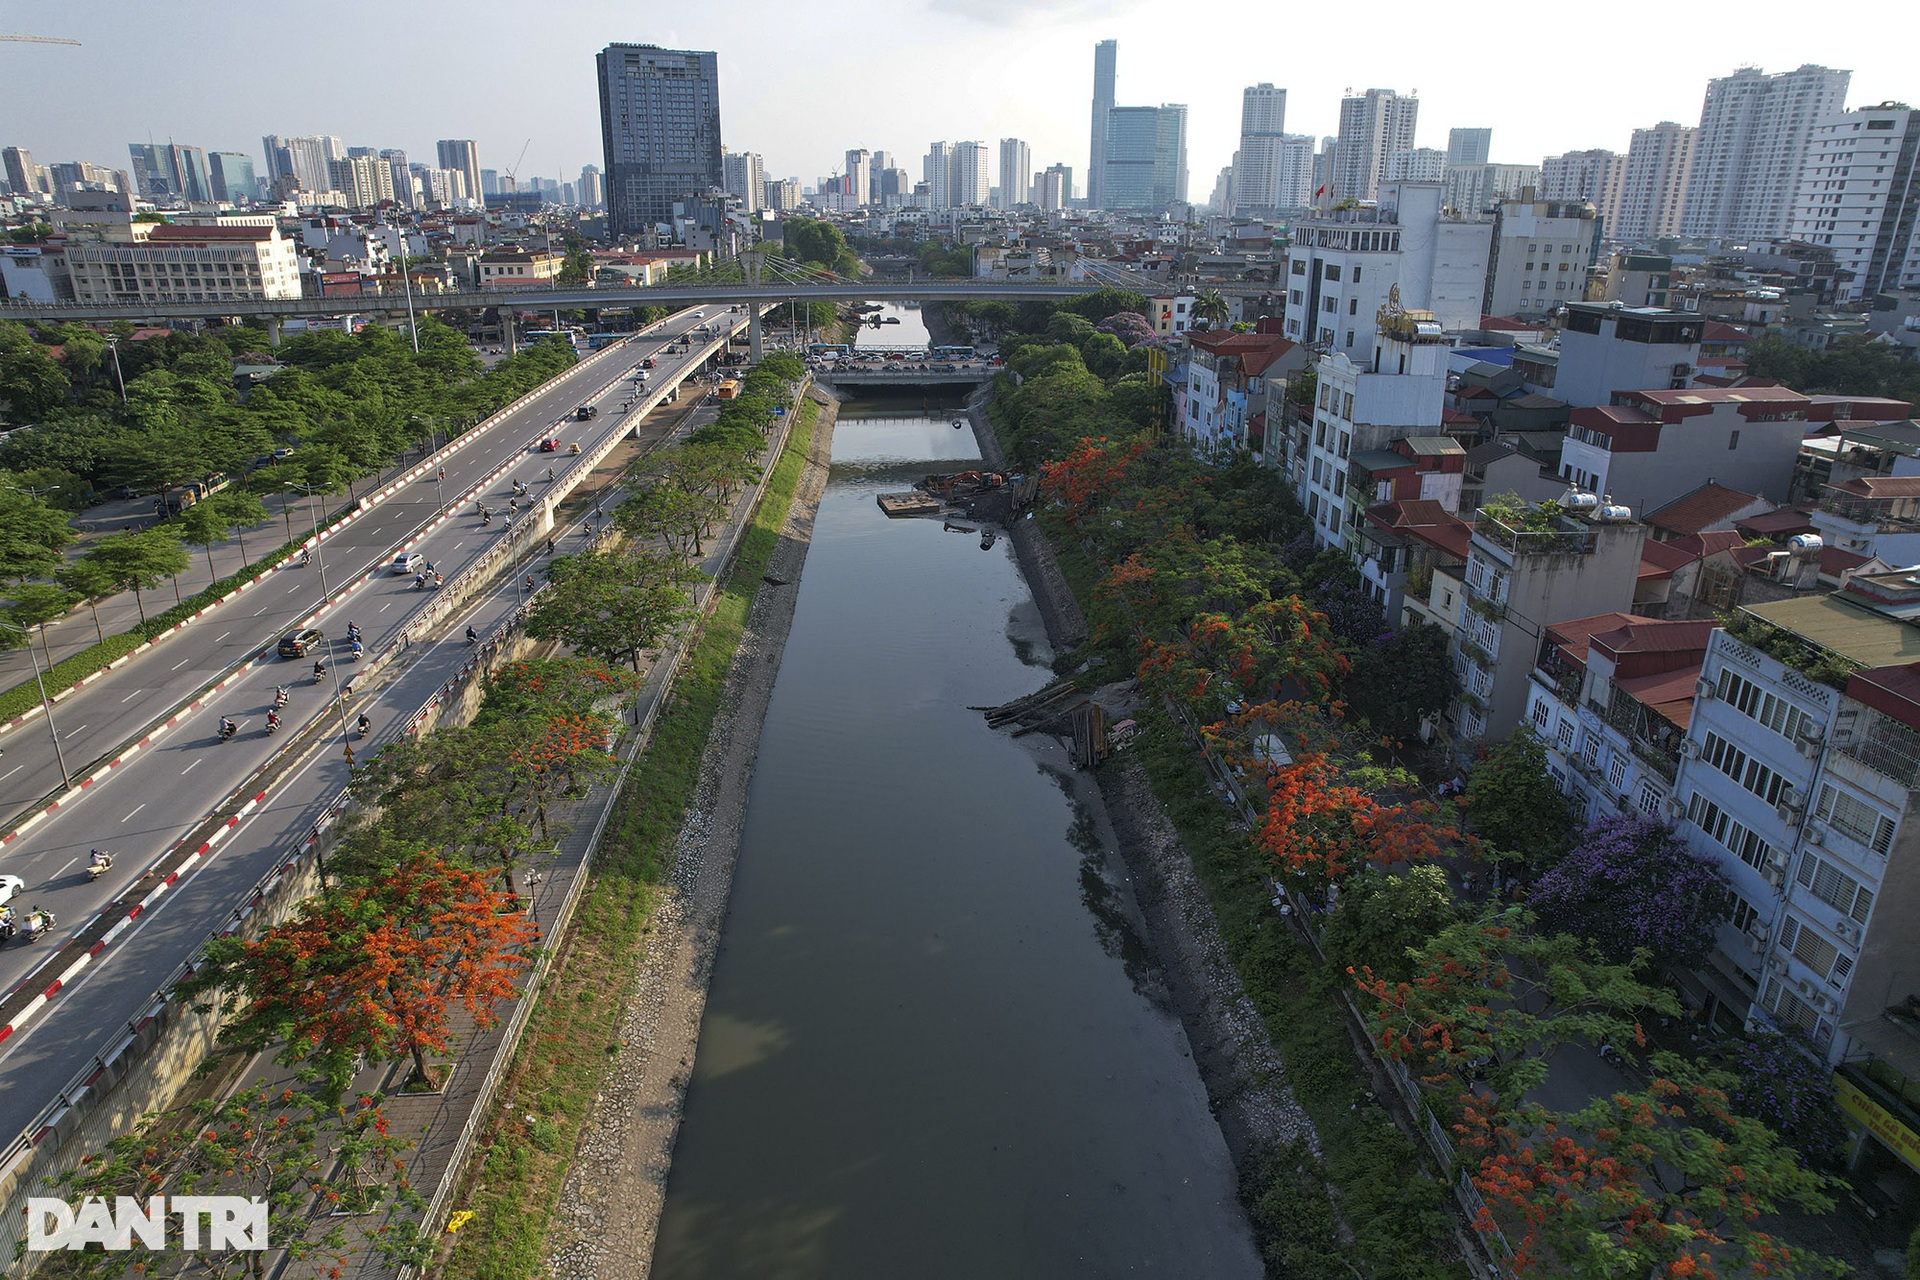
x=1668, y=694
x=1893, y=690
x=1692, y=512
x=1477, y=392
x=1660, y=559
x=1455, y=418
x=1776, y=524
x=1703, y=545
x=1573, y=636
x=1717, y=331
x=1655, y=635
x=1507, y=324
x=1427, y=520
x=1871, y=487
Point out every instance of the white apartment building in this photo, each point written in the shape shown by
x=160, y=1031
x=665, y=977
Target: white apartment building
x=1256, y=165
x=1397, y=391
x=1755, y=130
x=1342, y=264
x=936, y=170
x=1606, y=348
x=1647, y=448
x=1373, y=126
x=1653, y=187
x=744, y=174
x=1594, y=176
x=1476, y=188
x=1422, y=164
x=1521, y=576
x=1540, y=255
x=859, y=175
x=148, y=262
x=1016, y=173
x=972, y=179
x=1857, y=196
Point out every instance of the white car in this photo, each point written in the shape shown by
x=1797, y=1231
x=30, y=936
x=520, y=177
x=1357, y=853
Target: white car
x=10, y=886
x=408, y=562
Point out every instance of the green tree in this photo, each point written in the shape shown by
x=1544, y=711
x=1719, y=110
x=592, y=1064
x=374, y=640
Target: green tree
x=92, y=583
x=1513, y=805
x=32, y=383
x=1402, y=678
x=34, y=604
x=1384, y=921
x=614, y=604
x=217, y=519
x=1104, y=354
x=32, y=535
x=137, y=562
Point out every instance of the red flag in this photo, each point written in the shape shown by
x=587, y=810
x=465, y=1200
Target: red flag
x=1322, y=191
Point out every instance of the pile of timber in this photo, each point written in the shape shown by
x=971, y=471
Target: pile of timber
x=1037, y=710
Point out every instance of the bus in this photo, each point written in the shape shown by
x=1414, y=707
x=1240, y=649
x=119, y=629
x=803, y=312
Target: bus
x=828, y=348
x=595, y=341
x=728, y=389
x=953, y=353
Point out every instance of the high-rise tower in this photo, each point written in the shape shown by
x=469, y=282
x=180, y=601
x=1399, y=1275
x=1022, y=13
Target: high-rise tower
x=660, y=125
x=1104, y=56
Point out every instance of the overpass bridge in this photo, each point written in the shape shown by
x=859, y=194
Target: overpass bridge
x=566, y=297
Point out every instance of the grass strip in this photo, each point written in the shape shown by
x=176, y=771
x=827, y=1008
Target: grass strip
x=566, y=1053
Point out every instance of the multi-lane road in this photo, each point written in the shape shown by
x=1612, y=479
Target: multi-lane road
x=162, y=793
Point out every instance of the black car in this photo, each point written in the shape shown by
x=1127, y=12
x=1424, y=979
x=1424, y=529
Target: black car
x=297, y=644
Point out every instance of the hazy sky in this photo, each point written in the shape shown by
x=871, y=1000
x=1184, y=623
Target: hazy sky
x=802, y=82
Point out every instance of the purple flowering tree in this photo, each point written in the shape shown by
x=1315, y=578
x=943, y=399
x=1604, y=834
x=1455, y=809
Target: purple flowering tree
x=1630, y=883
x=1782, y=1082
x=1130, y=327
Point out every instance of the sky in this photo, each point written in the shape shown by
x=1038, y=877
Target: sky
x=802, y=83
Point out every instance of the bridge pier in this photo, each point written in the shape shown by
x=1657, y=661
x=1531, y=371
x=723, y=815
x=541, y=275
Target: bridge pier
x=273, y=330
x=753, y=332
x=510, y=331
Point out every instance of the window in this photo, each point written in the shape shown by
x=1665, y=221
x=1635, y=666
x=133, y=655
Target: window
x=1834, y=887
x=1856, y=818
x=1566, y=735
x=1743, y=914
x=1733, y=439
x=1753, y=702
x=1749, y=773
x=1330, y=271
x=1349, y=337
x=1649, y=799
x=1299, y=266
x=1356, y=275
x=1617, y=772
x=1353, y=306
x=1542, y=713
x=1734, y=837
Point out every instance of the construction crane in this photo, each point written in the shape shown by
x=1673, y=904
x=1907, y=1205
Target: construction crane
x=515, y=168
x=42, y=40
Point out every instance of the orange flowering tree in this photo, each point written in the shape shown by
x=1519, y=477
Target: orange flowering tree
x=1085, y=481
x=376, y=969
x=1324, y=818
x=1664, y=1180
x=311, y=1161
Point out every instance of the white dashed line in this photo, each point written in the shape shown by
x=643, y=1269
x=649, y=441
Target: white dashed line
x=190, y=768
x=137, y=808
x=130, y=697
x=9, y=773
x=222, y=636
x=64, y=866
x=183, y=662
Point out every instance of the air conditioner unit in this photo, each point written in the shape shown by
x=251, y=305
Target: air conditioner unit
x=1776, y=877
x=1808, y=747
x=1777, y=964
x=1825, y=1003
x=1790, y=797
x=1849, y=932
x=1777, y=860
x=1804, y=987
x=1816, y=835
x=1690, y=749
x=1788, y=814
x=1703, y=689
x=1813, y=732
x=1676, y=807
x=1759, y=934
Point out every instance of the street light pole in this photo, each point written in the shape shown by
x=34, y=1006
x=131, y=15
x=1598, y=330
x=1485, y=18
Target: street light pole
x=46, y=704
x=113, y=347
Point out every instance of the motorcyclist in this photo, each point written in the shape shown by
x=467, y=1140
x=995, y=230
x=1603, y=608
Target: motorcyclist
x=438, y=581
x=529, y=583
x=486, y=518
x=364, y=724
x=356, y=651
x=473, y=637
x=549, y=474
x=319, y=668
x=419, y=581
x=273, y=721
x=306, y=557
x=100, y=858
x=280, y=695
x=227, y=727
x=353, y=631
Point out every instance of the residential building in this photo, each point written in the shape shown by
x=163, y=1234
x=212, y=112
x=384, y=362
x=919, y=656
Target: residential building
x=1638, y=280
x=1653, y=187
x=1611, y=699
x=406, y=191
x=1412, y=551
x=1540, y=255
x=1104, y=56
x=1526, y=568
x=1016, y=173
x=1755, y=131
x=1798, y=778
x=743, y=175
x=149, y=262
x=1422, y=164
x=489, y=183
x=78, y=175
x=1594, y=176
x=1256, y=166
x=1054, y=188
x=1226, y=386
x=1365, y=405
x=1858, y=196
x=936, y=170
x=464, y=155
x=593, y=191
x=165, y=171
x=518, y=268
x=971, y=179
x=1343, y=264
x=23, y=175
x=660, y=126
x=365, y=181
x=1606, y=348
x=858, y=178
x=1145, y=158
x=1468, y=146
x=1373, y=126
x=783, y=194
x=1646, y=448
x=1476, y=188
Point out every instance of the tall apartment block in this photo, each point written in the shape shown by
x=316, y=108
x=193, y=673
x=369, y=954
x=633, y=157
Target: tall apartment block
x=1755, y=129
x=1858, y=197
x=1373, y=126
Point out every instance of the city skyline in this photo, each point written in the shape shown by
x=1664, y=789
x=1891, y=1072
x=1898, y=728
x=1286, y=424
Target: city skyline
x=803, y=115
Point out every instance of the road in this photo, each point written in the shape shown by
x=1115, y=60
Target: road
x=96, y=721
x=163, y=793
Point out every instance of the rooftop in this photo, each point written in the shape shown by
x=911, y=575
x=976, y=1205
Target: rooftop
x=1708, y=505
x=1858, y=634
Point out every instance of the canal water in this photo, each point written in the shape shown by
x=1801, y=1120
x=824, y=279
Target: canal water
x=932, y=1046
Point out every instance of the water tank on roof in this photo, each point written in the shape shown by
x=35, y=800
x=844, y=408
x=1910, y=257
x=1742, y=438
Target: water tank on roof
x=1804, y=542
x=1613, y=513
x=1579, y=500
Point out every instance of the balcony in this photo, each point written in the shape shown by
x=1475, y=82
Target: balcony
x=1654, y=740
x=1887, y=747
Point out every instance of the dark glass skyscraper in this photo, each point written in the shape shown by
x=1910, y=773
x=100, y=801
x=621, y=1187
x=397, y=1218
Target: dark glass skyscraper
x=1105, y=54
x=660, y=123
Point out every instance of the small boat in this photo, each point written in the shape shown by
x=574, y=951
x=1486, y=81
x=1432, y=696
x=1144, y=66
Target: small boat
x=891, y=320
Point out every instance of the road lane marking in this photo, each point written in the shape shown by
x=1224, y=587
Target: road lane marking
x=71, y=732
x=262, y=609
x=9, y=773
x=190, y=768
x=383, y=608
x=130, y=697
x=222, y=636
x=64, y=866
x=183, y=662
x=137, y=808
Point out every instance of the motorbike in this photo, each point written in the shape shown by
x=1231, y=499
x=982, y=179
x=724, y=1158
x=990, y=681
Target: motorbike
x=228, y=729
x=97, y=869
x=7, y=926
x=273, y=725
x=357, y=650
x=319, y=672
x=38, y=922
x=365, y=724
x=280, y=696
x=419, y=581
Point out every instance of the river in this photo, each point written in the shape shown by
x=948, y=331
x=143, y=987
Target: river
x=933, y=1046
